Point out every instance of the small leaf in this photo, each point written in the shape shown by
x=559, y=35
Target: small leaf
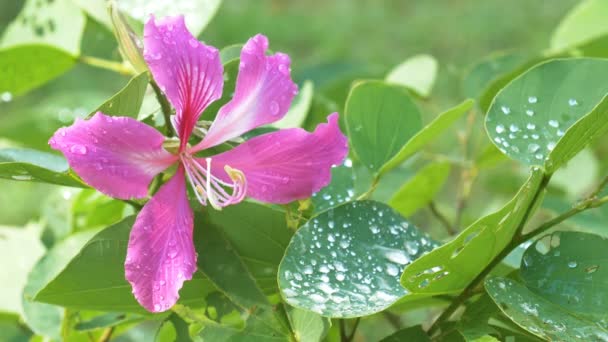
x=582, y=24
x=32, y=165
x=427, y=134
x=346, y=261
x=420, y=190
x=539, y=316
x=381, y=118
x=417, y=73
x=58, y=23
x=198, y=13
x=95, y=278
x=127, y=102
x=544, y=117
x=307, y=325
x=296, y=115
x=451, y=267
x=568, y=269
x=339, y=191
x=21, y=69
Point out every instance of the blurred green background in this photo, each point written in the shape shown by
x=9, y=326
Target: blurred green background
x=326, y=40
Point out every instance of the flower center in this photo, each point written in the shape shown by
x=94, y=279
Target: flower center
x=208, y=187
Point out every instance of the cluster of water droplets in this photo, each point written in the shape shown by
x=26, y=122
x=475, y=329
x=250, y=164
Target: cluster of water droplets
x=340, y=190
x=528, y=132
x=347, y=261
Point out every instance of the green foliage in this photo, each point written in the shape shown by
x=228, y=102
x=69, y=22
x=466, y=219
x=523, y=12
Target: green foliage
x=31, y=165
x=128, y=101
x=417, y=73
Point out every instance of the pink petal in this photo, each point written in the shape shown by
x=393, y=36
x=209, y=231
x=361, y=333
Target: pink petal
x=286, y=165
x=118, y=156
x=264, y=91
x=189, y=72
x=161, y=255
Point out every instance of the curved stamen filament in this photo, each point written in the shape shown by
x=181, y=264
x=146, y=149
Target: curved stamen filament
x=208, y=187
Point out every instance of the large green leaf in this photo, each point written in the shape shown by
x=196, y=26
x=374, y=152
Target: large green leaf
x=451, y=267
x=544, y=117
x=127, y=102
x=417, y=73
x=539, y=316
x=584, y=23
x=381, y=118
x=420, y=189
x=490, y=68
x=307, y=325
x=21, y=69
x=346, y=261
x=16, y=264
x=567, y=268
x=340, y=190
x=428, y=134
x=59, y=23
x=32, y=165
x=45, y=319
x=95, y=278
x=198, y=13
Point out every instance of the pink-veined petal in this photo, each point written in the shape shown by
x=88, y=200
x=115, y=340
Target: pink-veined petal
x=189, y=72
x=118, y=156
x=263, y=94
x=161, y=254
x=286, y=165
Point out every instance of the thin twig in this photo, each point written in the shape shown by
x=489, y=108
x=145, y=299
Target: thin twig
x=354, y=330
x=442, y=218
x=370, y=191
x=106, y=64
x=392, y=319
x=466, y=175
x=165, y=108
x=107, y=334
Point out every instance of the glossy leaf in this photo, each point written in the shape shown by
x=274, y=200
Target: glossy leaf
x=340, y=190
x=451, y=267
x=417, y=73
x=91, y=209
x=45, y=319
x=128, y=101
x=539, y=316
x=307, y=325
x=59, y=23
x=481, y=75
x=32, y=165
x=346, y=261
x=105, y=289
x=381, y=118
x=567, y=269
x=300, y=106
x=198, y=13
x=21, y=70
x=582, y=24
x=420, y=190
x=428, y=134
x=544, y=117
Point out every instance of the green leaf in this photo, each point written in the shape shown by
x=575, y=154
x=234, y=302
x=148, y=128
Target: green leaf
x=567, y=268
x=127, y=102
x=11, y=330
x=59, y=23
x=539, y=316
x=427, y=134
x=300, y=106
x=230, y=53
x=198, y=13
x=474, y=322
x=417, y=73
x=91, y=209
x=32, y=165
x=13, y=243
x=579, y=175
x=96, y=9
x=545, y=117
x=340, y=190
x=45, y=319
x=21, y=69
x=307, y=325
x=420, y=190
x=105, y=288
x=451, y=267
x=582, y=24
x=346, y=261
x=381, y=118
x=105, y=321
x=414, y=333
x=489, y=69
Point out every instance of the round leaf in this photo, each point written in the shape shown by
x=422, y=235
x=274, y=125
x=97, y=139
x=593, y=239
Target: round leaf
x=346, y=262
x=340, y=190
x=529, y=119
x=585, y=22
x=417, y=73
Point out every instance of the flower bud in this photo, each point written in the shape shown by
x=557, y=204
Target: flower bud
x=129, y=43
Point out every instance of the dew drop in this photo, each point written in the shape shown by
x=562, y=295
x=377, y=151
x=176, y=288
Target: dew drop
x=572, y=102
x=529, y=112
x=156, y=307
x=78, y=149
x=553, y=123
x=532, y=99
x=274, y=108
x=500, y=129
x=506, y=110
x=6, y=96
x=532, y=148
x=572, y=264
x=514, y=128
x=550, y=146
x=193, y=42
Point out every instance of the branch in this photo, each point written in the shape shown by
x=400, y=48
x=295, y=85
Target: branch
x=165, y=107
x=441, y=218
x=106, y=64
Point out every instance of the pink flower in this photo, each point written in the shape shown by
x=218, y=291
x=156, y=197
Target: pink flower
x=119, y=156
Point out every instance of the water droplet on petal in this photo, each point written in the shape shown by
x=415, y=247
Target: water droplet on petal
x=193, y=42
x=78, y=149
x=274, y=108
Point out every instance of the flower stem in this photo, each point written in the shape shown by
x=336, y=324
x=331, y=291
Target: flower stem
x=165, y=108
x=371, y=189
x=106, y=64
